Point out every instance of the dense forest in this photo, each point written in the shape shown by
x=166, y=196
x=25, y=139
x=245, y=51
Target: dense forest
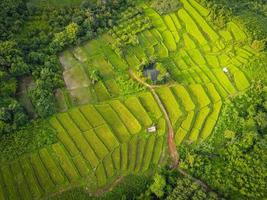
x=230, y=164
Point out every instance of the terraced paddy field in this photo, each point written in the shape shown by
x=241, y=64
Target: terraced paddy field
x=103, y=131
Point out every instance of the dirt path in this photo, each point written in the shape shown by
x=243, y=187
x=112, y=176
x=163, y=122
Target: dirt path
x=171, y=144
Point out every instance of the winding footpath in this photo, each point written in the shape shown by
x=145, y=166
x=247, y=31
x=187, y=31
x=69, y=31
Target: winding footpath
x=171, y=144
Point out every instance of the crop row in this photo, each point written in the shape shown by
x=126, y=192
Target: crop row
x=193, y=110
x=97, y=143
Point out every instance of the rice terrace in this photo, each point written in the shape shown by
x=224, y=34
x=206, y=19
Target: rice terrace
x=150, y=91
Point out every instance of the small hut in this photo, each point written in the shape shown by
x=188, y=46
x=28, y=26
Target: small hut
x=225, y=70
x=152, y=129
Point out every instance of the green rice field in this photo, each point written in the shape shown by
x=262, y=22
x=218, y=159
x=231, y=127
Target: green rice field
x=102, y=131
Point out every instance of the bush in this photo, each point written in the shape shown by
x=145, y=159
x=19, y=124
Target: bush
x=233, y=161
x=166, y=6
x=129, y=188
x=259, y=45
x=171, y=185
x=28, y=139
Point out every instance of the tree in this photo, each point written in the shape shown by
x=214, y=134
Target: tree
x=158, y=185
x=166, y=6
x=65, y=38
x=235, y=163
x=11, y=59
x=42, y=99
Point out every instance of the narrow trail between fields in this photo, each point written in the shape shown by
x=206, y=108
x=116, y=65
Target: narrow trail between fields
x=171, y=144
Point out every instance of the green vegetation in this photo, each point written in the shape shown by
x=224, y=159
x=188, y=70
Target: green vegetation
x=30, y=138
x=171, y=94
x=128, y=188
x=163, y=7
x=170, y=184
x=233, y=161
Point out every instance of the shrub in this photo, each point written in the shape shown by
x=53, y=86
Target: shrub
x=25, y=140
x=166, y=6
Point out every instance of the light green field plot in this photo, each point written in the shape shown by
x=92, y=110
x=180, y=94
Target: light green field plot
x=128, y=119
x=213, y=93
x=124, y=157
x=201, y=116
x=157, y=34
x=196, y=57
x=157, y=150
x=226, y=35
x=91, y=114
x=112, y=88
x=11, y=187
x=66, y=164
x=202, y=10
x=198, y=123
x=107, y=137
x=213, y=61
x=161, y=127
x=188, y=42
x=200, y=95
x=191, y=26
x=201, y=21
x=31, y=180
x=113, y=120
x=147, y=100
x=241, y=81
x=170, y=24
x=161, y=50
x=139, y=52
x=139, y=154
x=131, y=59
x=216, y=111
x=116, y=157
x=101, y=175
x=136, y=108
x=54, y=171
x=170, y=104
x=187, y=123
x=148, y=153
x=150, y=37
x=64, y=137
x=132, y=150
x=156, y=19
x=42, y=174
x=169, y=41
x=100, y=149
x=83, y=168
x=224, y=80
x=109, y=167
x=176, y=21
x=180, y=135
x=101, y=91
x=79, y=119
